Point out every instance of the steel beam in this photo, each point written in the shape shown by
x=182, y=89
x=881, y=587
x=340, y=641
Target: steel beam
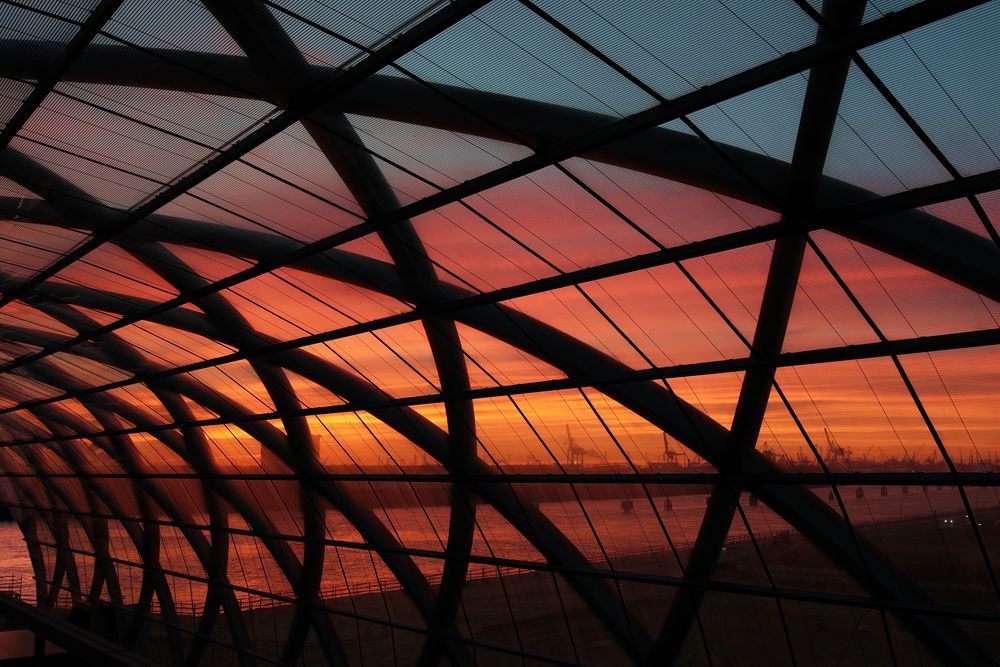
x=99, y=16
x=368, y=273
x=276, y=57
x=226, y=323
x=213, y=558
x=304, y=103
x=816, y=123
x=651, y=402
x=231, y=327
x=700, y=432
x=529, y=520
x=702, y=166
x=85, y=646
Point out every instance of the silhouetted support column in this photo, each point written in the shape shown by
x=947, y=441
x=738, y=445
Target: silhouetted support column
x=71, y=198
x=798, y=506
x=59, y=500
x=214, y=559
x=87, y=647
x=527, y=519
x=650, y=401
x=54, y=491
x=232, y=326
x=95, y=526
x=819, y=114
x=367, y=525
x=29, y=529
x=284, y=557
x=11, y=493
x=99, y=541
x=370, y=188
x=60, y=420
x=96, y=494
x=105, y=573
x=31, y=515
x=216, y=562
x=232, y=322
x=152, y=582
x=149, y=546
x=65, y=562
x=280, y=550
x=701, y=434
x=273, y=54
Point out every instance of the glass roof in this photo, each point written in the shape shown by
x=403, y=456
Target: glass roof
x=480, y=331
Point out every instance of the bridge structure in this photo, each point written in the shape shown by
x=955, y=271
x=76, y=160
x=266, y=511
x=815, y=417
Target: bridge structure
x=191, y=190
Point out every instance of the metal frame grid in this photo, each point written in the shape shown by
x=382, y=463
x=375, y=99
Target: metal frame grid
x=49, y=441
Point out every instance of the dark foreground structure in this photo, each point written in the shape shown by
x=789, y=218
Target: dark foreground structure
x=501, y=331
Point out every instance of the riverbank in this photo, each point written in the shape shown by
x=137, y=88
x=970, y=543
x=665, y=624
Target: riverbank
x=539, y=614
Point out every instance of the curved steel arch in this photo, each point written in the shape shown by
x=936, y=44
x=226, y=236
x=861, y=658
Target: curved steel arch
x=225, y=323
x=801, y=509
x=284, y=557
x=213, y=556
x=707, y=438
x=95, y=529
x=146, y=541
x=144, y=537
x=966, y=259
x=125, y=454
x=276, y=58
x=526, y=518
x=556, y=547
x=562, y=351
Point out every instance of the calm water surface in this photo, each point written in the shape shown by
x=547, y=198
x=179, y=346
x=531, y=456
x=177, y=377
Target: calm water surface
x=598, y=523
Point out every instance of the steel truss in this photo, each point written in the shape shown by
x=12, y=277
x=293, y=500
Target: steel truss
x=35, y=459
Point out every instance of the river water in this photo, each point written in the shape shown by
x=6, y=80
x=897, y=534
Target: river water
x=598, y=528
